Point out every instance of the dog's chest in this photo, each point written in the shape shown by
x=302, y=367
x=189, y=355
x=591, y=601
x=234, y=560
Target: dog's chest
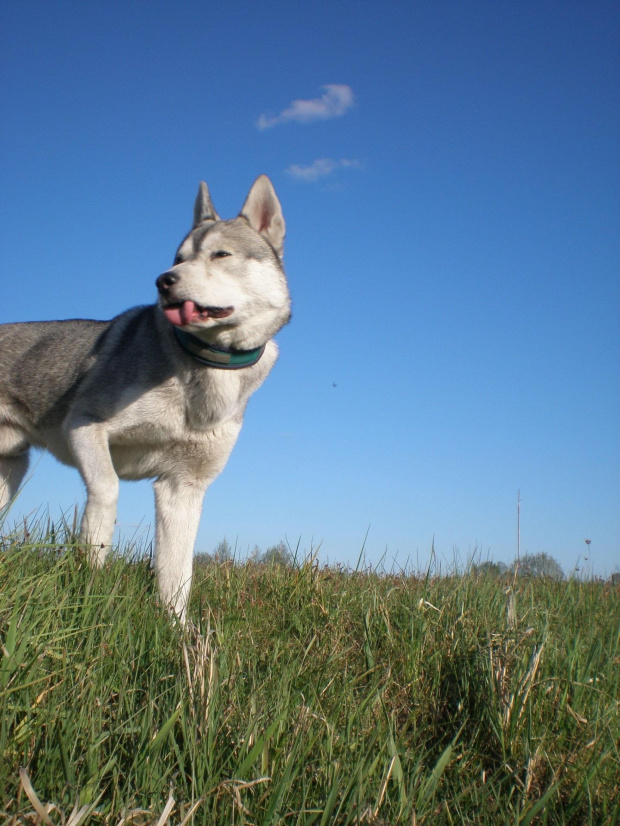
x=211, y=399
x=176, y=409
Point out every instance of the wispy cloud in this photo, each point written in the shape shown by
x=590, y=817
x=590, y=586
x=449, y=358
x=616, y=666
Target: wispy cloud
x=320, y=168
x=334, y=102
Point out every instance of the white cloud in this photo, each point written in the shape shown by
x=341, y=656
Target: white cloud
x=320, y=168
x=333, y=103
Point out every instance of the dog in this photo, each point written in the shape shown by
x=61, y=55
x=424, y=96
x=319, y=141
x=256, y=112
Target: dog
x=158, y=392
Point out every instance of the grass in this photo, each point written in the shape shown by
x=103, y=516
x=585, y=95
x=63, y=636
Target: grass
x=303, y=695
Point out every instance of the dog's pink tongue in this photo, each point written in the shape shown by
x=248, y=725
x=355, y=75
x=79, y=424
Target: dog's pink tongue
x=182, y=314
x=188, y=311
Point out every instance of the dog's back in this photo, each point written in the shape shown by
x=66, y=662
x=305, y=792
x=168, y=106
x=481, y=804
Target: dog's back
x=42, y=365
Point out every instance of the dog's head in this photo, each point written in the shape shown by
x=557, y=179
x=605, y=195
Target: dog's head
x=227, y=283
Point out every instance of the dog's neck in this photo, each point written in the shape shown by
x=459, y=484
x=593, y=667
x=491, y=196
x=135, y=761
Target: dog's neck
x=223, y=358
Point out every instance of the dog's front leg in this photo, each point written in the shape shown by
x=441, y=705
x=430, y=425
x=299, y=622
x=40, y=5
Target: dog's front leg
x=91, y=451
x=178, y=504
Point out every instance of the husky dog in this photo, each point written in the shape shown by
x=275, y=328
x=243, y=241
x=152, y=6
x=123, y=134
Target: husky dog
x=158, y=392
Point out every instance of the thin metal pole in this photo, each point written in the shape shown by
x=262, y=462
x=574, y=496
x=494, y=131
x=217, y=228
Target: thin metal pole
x=518, y=525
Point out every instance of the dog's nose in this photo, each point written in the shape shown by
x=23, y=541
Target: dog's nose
x=166, y=280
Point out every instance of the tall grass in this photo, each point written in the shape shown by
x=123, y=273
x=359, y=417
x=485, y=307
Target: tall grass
x=302, y=695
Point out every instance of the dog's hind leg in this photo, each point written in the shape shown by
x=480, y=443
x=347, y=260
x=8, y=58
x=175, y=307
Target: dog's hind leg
x=178, y=504
x=14, y=458
x=12, y=472
x=89, y=444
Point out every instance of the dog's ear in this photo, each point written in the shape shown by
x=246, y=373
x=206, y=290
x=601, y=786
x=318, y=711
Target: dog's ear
x=263, y=212
x=203, y=207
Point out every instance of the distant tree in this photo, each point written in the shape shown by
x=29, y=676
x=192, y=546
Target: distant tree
x=277, y=555
x=490, y=568
x=256, y=554
x=538, y=565
x=202, y=560
x=223, y=552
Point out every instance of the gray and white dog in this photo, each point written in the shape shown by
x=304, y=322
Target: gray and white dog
x=158, y=392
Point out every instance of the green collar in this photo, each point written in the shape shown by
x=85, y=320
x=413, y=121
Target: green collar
x=224, y=358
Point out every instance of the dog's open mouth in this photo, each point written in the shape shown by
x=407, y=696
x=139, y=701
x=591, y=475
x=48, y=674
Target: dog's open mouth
x=188, y=312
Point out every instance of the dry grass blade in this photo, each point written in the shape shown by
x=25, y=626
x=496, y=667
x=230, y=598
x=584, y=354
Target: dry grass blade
x=574, y=714
x=384, y=785
x=166, y=812
x=525, y=685
x=78, y=816
x=130, y=816
x=40, y=809
x=191, y=811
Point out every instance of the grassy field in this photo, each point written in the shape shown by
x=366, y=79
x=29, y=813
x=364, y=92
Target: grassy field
x=303, y=695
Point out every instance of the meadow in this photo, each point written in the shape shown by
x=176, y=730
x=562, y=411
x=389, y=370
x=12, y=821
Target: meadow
x=300, y=694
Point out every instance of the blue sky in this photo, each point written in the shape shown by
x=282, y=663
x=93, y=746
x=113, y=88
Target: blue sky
x=449, y=174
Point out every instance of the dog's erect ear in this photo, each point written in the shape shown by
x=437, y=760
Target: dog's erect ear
x=263, y=212
x=203, y=208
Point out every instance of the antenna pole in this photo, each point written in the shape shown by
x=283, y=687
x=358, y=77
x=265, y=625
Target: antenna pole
x=518, y=525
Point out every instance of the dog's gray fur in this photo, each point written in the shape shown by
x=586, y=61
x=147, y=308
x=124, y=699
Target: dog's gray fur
x=122, y=399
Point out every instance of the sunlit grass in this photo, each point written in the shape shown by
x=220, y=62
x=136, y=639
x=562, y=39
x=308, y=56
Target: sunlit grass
x=301, y=694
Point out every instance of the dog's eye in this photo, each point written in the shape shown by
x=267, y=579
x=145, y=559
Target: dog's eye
x=177, y=260
x=220, y=254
